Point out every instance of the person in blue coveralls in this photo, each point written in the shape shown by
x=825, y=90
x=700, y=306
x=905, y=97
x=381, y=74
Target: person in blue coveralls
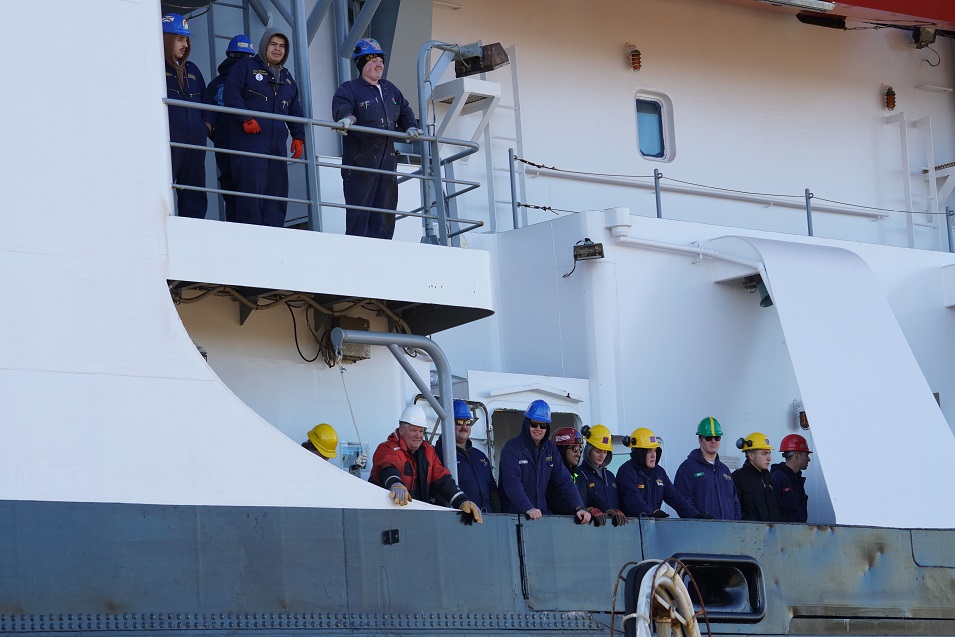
x=644, y=485
x=597, y=455
x=240, y=47
x=186, y=125
x=704, y=480
x=530, y=463
x=262, y=83
x=788, y=481
x=474, y=467
x=372, y=101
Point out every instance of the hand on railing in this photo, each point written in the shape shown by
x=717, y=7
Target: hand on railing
x=414, y=133
x=344, y=122
x=251, y=126
x=298, y=148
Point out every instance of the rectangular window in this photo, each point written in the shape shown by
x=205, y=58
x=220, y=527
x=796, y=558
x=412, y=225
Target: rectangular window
x=650, y=128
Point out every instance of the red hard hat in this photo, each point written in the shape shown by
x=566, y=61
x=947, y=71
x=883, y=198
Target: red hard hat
x=567, y=437
x=794, y=442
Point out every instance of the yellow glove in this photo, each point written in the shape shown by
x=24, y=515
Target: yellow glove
x=469, y=507
x=399, y=493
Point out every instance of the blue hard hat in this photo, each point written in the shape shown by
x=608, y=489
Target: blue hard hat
x=175, y=23
x=240, y=44
x=538, y=411
x=461, y=410
x=367, y=46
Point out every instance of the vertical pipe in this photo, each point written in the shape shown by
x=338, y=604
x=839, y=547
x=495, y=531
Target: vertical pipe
x=657, y=176
x=304, y=81
x=809, y=197
x=948, y=227
x=510, y=161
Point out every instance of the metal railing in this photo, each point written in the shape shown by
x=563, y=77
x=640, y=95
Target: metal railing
x=437, y=232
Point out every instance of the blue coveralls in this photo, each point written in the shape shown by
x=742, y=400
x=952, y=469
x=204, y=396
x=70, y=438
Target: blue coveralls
x=215, y=95
x=643, y=492
x=187, y=126
x=603, y=482
x=708, y=486
x=252, y=85
x=388, y=110
x=474, y=475
x=528, y=469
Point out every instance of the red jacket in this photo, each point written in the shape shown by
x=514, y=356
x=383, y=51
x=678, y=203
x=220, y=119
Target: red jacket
x=393, y=462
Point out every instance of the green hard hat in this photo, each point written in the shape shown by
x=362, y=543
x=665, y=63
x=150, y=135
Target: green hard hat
x=709, y=426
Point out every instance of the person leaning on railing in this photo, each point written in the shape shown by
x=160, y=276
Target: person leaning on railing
x=371, y=101
x=262, y=83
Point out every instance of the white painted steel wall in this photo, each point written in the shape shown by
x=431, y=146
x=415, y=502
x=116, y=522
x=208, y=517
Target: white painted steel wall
x=664, y=346
x=104, y=396
x=761, y=103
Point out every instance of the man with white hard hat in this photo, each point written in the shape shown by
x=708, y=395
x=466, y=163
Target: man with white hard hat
x=409, y=467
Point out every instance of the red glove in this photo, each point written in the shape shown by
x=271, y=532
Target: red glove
x=298, y=148
x=619, y=519
x=251, y=127
x=598, y=517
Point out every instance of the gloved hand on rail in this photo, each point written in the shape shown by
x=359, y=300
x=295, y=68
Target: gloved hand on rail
x=659, y=514
x=414, y=132
x=251, y=127
x=399, y=493
x=704, y=516
x=599, y=517
x=471, y=512
x=619, y=519
x=298, y=148
x=345, y=122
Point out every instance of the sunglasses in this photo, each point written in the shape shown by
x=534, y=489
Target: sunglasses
x=577, y=448
x=538, y=425
x=712, y=438
x=463, y=423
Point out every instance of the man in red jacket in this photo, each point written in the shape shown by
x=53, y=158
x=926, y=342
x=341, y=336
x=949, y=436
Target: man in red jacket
x=409, y=467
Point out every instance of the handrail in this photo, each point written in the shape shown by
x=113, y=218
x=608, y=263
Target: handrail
x=314, y=204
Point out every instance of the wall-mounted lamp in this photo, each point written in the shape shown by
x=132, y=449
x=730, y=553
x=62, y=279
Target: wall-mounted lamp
x=889, y=97
x=801, y=414
x=923, y=36
x=633, y=56
x=586, y=250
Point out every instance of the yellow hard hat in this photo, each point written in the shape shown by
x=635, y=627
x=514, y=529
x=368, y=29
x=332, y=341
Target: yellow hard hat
x=598, y=436
x=754, y=441
x=324, y=438
x=642, y=438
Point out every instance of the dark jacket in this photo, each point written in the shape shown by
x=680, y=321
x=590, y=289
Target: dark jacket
x=709, y=487
x=757, y=498
x=215, y=95
x=559, y=504
x=790, y=486
x=421, y=472
x=254, y=85
x=388, y=110
x=600, y=480
x=186, y=125
x=527, y=470
x=642, y=491
x=474, y=476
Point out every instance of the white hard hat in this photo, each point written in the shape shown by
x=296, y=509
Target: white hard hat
x=414, y=415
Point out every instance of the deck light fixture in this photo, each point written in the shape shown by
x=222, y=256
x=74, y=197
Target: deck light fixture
x=633, y=56
x=587, y=250
x=812, y=5
x=923, y=36
x=488, y=58
x=889, y=97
